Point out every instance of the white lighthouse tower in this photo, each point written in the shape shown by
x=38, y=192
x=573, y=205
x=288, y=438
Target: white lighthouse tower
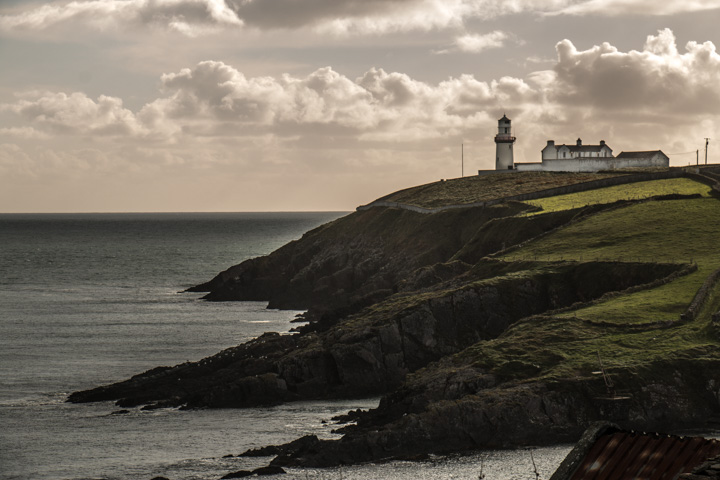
x=504, y=145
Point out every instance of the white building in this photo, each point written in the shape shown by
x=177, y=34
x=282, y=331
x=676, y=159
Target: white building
x=569, y=158
x=591, y=158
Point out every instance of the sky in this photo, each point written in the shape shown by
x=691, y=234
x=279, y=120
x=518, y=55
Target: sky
x=296, y=105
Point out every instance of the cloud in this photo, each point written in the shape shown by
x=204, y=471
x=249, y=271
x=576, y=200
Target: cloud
x=14, y=161
x=197, y=17
x=213, y=107
x=189, y=17
x=378, y=99
x=476, y=43
x=76, y=113
x=658, y=79
x=342, y=17
x=358, y=137
x=215, y=100
x=23, y=132
x=614, y=8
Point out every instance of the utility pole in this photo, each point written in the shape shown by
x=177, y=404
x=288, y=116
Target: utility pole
x=707, y=140
x=462, y=160
x=697, y=157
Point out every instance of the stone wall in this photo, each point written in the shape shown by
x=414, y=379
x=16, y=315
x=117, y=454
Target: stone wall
x=701, y=296
x=592, y=164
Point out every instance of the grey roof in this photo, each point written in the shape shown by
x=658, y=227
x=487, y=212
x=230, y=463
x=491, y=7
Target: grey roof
x=646, y=154
x=584, y=148
x=504, y=118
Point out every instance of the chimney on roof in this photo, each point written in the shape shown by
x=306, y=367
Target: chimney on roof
x=602, y=143
x=579, y=142
x=551, y=143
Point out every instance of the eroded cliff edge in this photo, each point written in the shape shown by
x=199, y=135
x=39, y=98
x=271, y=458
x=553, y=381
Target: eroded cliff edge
x=469, y=350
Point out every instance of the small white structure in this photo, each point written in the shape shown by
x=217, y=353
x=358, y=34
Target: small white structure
x=504, y=145
x=650, y=158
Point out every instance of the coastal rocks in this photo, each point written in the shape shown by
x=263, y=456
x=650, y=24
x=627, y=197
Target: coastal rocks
x=302, y=446
x=709, y=470
x=510, y=415
x=269, y=470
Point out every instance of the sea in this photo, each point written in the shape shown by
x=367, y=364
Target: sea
x=90, y=299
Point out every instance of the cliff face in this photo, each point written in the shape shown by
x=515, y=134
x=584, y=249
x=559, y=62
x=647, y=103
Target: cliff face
x=353, y=261
x=483, y=327
x=371, y=352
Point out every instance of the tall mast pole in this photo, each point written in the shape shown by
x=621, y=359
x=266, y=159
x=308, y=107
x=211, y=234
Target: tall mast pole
x=707, y=140
x=462, y=160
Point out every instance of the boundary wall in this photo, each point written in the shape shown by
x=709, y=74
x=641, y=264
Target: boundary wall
x=701, y=296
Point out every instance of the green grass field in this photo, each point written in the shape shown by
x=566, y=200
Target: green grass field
x=673, y=231
x=565, y=345
x=632, y=191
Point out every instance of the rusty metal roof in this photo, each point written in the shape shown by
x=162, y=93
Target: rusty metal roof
x=623, y=455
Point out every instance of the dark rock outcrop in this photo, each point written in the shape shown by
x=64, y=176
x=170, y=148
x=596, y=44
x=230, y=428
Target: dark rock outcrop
x=301, y=445
x=269, y=470
x=372, y=352
x=352, y=262
x=474, y=410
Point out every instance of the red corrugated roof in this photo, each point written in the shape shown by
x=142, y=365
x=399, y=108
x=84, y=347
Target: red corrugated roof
x=621, y=455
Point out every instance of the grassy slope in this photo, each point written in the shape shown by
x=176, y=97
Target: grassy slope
x=565, y=345
x=487, y=187
x=633, y=191
x=667, y=231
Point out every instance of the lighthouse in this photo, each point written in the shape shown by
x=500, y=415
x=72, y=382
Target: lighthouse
x=504, y=145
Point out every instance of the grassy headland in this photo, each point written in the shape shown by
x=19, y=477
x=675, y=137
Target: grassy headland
x=461, y=191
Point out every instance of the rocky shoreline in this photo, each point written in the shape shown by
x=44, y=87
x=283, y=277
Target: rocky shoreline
x=415, y=308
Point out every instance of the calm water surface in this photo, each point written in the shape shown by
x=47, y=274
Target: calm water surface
x=91, y=299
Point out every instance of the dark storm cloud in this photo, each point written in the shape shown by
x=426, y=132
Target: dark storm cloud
x=195, y=17
x=294, y=14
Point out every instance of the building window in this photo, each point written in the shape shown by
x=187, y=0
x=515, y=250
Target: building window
x=563, y=154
